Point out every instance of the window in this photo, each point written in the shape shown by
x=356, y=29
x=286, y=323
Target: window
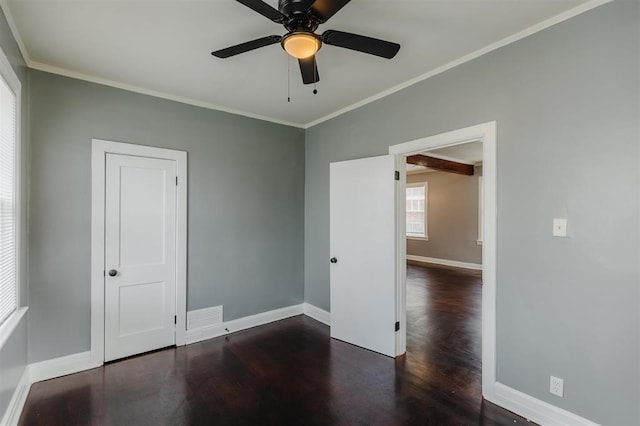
x=9, y=88
x=416, y=210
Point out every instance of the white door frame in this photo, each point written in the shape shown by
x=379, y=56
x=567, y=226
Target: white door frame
x=99, y=151
x=485, y=133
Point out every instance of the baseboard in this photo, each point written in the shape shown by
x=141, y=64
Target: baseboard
x=209, y=332
x=445, y=262
x=534, y=409
x=40, y=371
x=14, y=410
x=62, y=366
x=525, y=405
x=316, y=313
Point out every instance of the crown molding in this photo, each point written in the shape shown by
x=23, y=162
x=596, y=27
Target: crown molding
x=592, y=4
x=471, y=56
x=136, y=89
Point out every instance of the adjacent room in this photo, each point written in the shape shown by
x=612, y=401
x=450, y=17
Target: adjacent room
x=320, y=212
x=444, y=265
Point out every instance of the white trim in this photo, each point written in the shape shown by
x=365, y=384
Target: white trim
x=401, y=253
x=14, y=409
x=18, y=194
x=8, y=327
x=62, y=366
x=316, y=313
x=40, y=371
x=205, y=333
x=98, y=154
x=466, y=58
x=445, y=262
x=442, y=140
x=531, y=408
x=485, y=133
x=13, y=82
x=480, y=210
x=157, y=94
x=424, y=184
x=75, y=363
x=4, y=4
x=534, y=409
x=9, y=74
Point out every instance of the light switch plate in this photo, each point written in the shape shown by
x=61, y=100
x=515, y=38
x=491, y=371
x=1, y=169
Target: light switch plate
x=559, y=227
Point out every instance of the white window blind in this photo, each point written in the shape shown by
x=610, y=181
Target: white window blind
x=8, y=284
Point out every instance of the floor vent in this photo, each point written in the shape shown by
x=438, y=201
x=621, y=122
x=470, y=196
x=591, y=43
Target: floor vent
x=204, y=317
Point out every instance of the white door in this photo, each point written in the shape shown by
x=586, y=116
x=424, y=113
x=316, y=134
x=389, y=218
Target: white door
x=362, y=247
x=140, y=260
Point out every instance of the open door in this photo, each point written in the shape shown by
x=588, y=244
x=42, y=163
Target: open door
x=363, y=258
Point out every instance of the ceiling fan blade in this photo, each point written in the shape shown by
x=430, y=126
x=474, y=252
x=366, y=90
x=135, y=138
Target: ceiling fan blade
x=372, y=46
x=325, y=9
x=264, y=9
x=245, y=47
x=309, y=70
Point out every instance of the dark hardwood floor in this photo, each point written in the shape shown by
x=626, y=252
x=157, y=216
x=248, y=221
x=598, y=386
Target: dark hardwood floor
x=291, y=373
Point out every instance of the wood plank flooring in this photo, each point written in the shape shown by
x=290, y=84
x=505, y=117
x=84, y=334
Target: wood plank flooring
x=291, y=373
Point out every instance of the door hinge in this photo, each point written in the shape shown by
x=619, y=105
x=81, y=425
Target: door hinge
x=176, y=180
x=104, y=273
x=175, y=319
x=397, y=325
x=397, y=175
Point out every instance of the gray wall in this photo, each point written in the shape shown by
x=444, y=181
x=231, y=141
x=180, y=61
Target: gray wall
x=13, y=360
x=566, y=101
x=13, y=354
x=246, y=200
x=452, y=218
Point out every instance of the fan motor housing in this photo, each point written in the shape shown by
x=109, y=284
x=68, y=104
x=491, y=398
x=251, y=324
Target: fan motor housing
x=297, y=13
x=290, y=7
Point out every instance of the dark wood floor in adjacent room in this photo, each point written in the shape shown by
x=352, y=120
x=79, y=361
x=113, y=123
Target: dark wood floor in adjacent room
x=291, y=373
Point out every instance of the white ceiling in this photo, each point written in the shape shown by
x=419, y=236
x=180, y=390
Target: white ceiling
x=466, y=153
x=162, y=47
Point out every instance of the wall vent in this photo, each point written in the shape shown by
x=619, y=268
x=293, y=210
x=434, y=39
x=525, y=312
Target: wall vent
x=204, y=317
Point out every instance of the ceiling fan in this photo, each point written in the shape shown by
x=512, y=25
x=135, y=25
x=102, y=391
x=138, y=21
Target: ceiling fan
x=301, y=18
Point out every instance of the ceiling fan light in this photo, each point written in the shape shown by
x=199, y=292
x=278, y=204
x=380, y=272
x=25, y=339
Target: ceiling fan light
x=301, y=45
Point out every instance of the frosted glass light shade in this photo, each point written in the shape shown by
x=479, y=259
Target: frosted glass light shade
x=301, y=45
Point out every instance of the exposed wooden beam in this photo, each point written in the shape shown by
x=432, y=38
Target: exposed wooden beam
x=440, y=164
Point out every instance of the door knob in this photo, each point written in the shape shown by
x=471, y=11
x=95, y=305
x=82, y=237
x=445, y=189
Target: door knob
x=333, y=260
x=113, y=272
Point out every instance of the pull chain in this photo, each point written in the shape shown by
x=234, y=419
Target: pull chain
x=288, y=78
x=315, y=76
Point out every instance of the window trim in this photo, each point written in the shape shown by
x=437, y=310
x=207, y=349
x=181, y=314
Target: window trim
x=424, y=237
x=13, y=83
x=480, y=211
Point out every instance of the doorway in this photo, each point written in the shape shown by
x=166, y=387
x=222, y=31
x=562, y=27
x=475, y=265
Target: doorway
x=138, y=286
x=444, y=273
x=486, y=134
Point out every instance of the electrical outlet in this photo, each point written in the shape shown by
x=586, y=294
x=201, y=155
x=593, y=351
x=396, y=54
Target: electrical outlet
x=556, y=386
